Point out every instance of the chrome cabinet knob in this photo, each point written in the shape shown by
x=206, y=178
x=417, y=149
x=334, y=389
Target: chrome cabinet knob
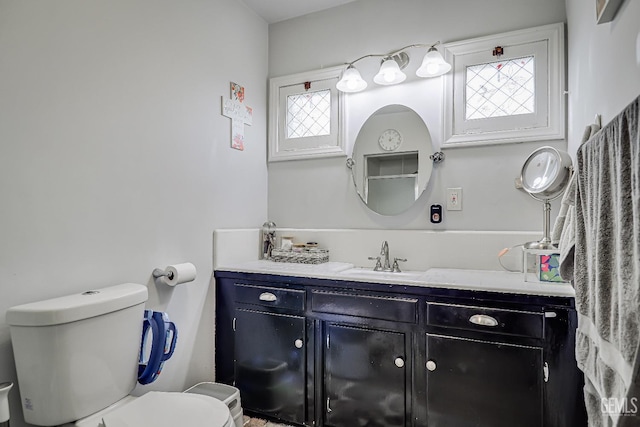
x=399, y=362
x=431, y=365
x=298, y=343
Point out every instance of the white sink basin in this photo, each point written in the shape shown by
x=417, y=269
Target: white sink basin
x=295, y=268
x=386, y=276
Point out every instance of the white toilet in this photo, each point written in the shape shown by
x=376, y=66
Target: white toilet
x=77, y=362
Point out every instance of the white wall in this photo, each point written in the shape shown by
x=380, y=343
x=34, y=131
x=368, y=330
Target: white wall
x=115, y=159
x=604, y=64
x=319, y=193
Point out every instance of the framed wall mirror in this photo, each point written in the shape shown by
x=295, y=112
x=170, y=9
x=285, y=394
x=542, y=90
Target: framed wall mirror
x=390, y=163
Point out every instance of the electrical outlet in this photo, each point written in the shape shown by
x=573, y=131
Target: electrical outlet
x=454, y=199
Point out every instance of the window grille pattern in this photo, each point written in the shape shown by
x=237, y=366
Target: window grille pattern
x=501, y=88
x=309, y=114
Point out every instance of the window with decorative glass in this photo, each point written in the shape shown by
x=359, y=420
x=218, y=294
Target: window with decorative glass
x=305, y=113
x=309, y=114
x=506, y=88
x=500, y=88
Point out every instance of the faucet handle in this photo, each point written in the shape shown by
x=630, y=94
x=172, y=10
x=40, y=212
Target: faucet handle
x=396, y=267
x=378, y=266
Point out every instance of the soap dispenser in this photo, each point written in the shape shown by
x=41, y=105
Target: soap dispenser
x=4, y=403
x=268, y=239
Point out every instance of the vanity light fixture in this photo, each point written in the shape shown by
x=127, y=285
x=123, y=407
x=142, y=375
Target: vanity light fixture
x=390, y=73
x=433, y=64
x=351, y=81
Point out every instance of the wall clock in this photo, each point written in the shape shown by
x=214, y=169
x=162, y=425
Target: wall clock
x=390, y=140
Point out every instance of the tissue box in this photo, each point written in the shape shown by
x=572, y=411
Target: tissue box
x=542, y=266
x=550, y=268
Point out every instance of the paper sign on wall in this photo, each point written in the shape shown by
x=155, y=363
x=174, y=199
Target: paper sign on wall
x=239, y=113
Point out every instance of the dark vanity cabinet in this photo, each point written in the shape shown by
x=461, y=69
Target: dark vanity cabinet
x=270, y=369
x=485, y=366
x=270, y=352
x=342, y=354
x=483, y=383
x=366, y=357
x=364, y=376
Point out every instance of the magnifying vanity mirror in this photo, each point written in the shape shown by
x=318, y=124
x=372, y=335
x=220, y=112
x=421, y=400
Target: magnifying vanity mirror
x=391, y=164
x=545, y=175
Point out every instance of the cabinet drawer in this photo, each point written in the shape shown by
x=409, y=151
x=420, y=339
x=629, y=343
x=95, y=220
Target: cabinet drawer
x=291, y=299
x=375, y=307
x=502, y=321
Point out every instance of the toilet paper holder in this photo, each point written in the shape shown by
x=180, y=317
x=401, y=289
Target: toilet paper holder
x=158, y=273
x=175, y=274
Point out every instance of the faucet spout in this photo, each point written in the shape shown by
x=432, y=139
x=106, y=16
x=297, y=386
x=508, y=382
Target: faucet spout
x=384, y=253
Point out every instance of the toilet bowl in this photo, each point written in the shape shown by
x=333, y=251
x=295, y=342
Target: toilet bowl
x=77, y=363
x=161, y=409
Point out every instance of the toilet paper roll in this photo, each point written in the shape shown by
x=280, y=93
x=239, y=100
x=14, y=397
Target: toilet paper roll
x=179, y=273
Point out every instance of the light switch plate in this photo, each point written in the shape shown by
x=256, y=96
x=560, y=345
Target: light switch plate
x=454, y=199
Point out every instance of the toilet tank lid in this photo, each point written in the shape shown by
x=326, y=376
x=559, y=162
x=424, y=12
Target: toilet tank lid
x=76, y=307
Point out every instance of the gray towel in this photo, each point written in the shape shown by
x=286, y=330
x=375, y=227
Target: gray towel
x=564, y=228
x=607, y=270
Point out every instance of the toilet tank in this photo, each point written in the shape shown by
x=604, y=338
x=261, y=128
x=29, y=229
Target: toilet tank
x=78, y=354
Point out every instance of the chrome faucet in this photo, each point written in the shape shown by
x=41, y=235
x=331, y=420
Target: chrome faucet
x=384, y=253
x=382, y=261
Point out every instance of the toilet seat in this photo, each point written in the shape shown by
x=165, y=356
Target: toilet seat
x=165, y=409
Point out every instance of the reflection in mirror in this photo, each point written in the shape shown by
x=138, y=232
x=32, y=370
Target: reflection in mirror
x=391, y=164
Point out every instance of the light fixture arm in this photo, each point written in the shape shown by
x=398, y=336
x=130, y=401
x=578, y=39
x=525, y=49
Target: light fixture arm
x=392, y=53
x=391, y=66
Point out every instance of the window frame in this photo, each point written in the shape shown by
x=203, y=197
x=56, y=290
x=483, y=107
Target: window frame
x=332, y=145
x=547, y=123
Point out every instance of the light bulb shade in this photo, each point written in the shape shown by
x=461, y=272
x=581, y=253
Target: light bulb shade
x=351, y=81
x=433, y=65
x=390, y=73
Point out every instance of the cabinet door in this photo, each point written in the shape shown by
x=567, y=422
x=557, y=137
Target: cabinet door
x=483, y=384
x=270, y=363
x=365, y=375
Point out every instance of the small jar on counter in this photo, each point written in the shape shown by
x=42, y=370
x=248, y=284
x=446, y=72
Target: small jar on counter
x=286, y=243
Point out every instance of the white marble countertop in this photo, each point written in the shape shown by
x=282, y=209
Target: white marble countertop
x=478, y=280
